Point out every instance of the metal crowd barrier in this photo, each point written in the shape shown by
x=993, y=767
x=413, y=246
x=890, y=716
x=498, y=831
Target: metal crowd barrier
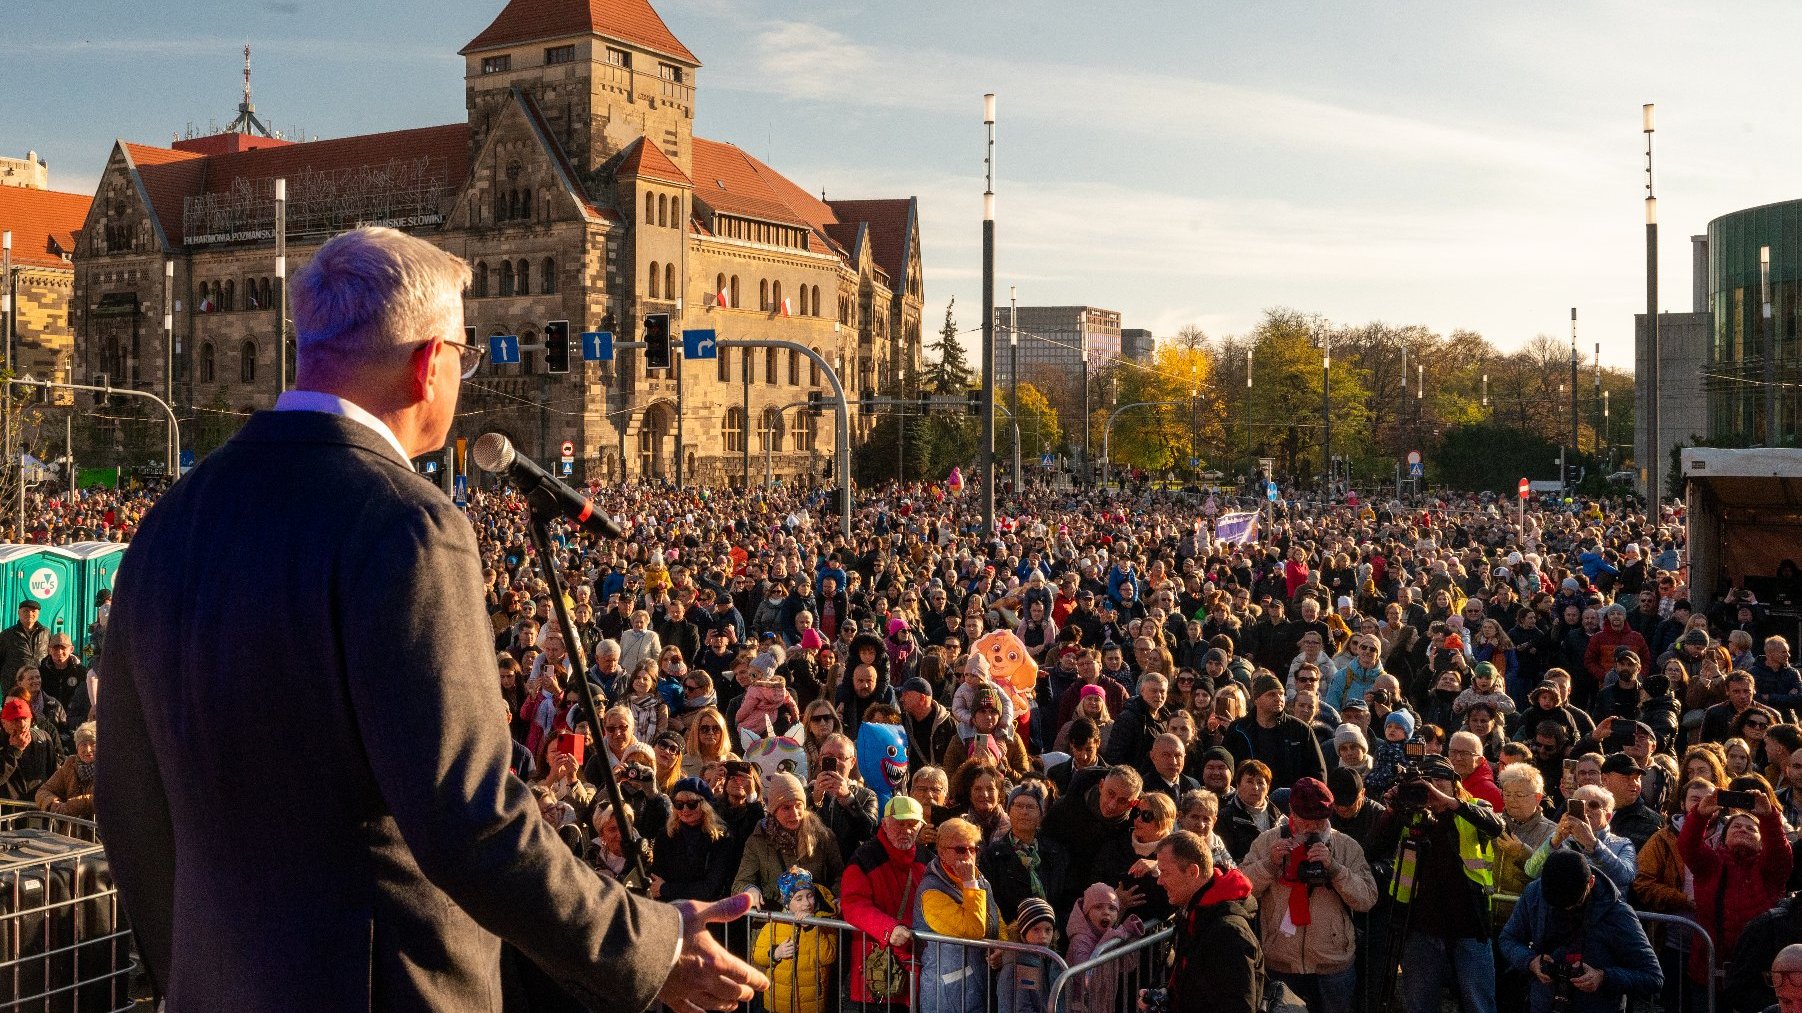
x=827, y=985
x=64, y=945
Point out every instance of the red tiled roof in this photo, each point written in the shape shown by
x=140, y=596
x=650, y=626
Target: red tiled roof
x=726, y=179
x=43, y=223
x=889, y=221
x=648, y=160
x=171, y=176
x=632, y=21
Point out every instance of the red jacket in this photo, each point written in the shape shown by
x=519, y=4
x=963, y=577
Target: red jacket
x=1600, y=656
x=880, y=884
x=1730, y=893
x=1481, y=783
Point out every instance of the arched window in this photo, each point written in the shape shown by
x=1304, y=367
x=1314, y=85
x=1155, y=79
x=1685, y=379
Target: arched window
x=662, y=210
x=506, y=277
x=547, y=276
x=247, y=363
x=724, y=362
x=769, y=431
x=794, y=368
x=800, y=432
x=813, y=370
x=801, y=309
x=655, y=280
x=776, y=297
x=230, y=300
x=650, y=209
x=670, y=291
x=525, y=203
x=481, y=279
x=734, y=430
x=719, y=290
x=769, y=366
x=265, y=290
x=763, y=294
x=816, y=301
x=675, y=211
x=525, y=276
x=512, y=204
x=734, y=293
x=208, y=370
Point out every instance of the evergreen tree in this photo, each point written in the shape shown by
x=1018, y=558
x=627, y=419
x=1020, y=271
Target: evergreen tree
x=951, y=374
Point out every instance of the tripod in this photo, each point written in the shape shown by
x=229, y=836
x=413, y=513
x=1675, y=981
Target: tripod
x=1403, y=884
x=542, y=509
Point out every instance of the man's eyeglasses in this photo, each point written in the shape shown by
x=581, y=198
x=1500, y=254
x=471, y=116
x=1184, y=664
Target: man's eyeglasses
x=1783, y=979
x=962, y=849
x=470, y=355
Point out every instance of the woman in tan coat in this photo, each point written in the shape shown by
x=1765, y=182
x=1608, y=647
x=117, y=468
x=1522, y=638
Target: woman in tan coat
x=70, y=791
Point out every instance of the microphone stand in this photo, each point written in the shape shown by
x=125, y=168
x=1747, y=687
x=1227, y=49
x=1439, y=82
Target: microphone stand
x=542, y=509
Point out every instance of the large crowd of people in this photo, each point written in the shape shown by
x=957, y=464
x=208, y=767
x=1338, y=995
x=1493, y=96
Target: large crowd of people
x=1374, y=737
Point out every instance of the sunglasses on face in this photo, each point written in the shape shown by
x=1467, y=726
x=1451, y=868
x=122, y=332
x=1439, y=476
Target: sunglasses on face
x=687, y=804
x=1145, y=816
x=962, y=849
x=615, y=729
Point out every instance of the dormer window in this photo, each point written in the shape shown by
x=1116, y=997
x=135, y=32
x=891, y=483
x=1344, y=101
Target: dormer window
x=496, y=64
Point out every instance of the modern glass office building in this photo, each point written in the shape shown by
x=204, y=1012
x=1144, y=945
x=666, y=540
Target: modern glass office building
x=1753, y=373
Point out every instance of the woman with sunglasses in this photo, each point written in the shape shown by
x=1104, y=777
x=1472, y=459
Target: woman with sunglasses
x=954, y=899
x=706, y=742
x=1130, y=863
x=691, y=856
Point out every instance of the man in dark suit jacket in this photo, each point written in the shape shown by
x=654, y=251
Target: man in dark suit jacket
x=308, y=806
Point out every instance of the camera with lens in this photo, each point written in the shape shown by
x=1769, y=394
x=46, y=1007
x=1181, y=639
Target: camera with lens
x=1564, y=969
x=1411, y=790
x=1310, y=872
x=1154, y=1000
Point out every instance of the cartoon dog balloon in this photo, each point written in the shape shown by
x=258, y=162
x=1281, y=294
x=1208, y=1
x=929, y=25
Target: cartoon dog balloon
x=1010, y=666
x=773, y=753
x=882, y=759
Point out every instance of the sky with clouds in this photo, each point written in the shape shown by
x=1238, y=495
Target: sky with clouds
x=1454, y=165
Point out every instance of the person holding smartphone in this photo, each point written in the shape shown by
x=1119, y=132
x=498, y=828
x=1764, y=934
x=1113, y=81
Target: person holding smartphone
x=1584, y=828
x=1745, y=868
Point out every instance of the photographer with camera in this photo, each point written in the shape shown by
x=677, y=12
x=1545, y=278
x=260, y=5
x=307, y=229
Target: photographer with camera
x=1443, y=843
x=1582, y=944
x=1308, y=879
x=1584, y=828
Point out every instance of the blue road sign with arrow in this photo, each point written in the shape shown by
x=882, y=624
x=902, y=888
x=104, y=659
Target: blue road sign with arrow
x=503, y=349
x=597, y=346
x=700, y=344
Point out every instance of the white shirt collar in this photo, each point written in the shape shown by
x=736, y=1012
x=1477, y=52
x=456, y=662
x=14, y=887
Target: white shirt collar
x=332, y=404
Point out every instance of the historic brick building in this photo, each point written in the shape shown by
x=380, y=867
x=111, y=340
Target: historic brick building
x=43, y=224
x=577, y=191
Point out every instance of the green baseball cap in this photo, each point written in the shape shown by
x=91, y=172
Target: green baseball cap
x=902, y=807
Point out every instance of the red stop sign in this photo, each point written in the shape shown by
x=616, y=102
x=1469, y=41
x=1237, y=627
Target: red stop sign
x=1523, y=488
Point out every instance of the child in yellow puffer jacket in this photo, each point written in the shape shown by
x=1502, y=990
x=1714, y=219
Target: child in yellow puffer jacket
x=798, y=959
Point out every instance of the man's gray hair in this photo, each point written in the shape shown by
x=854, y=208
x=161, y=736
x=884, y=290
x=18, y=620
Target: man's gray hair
x=370, y=291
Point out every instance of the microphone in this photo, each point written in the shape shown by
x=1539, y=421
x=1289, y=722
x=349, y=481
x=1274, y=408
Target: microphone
x=494, y=452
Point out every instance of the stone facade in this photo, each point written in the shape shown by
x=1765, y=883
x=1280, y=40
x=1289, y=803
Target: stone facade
x=577, y=192
x=43, y=224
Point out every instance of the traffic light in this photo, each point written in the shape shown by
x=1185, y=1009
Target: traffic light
x=556, y=346
x=815, y=404
x=656, y=341
x=866, y=402
x=100, y=398
x=975, y=402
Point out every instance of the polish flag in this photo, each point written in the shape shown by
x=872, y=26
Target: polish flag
x=719, y=298
x=785, y=309
x=206, y=304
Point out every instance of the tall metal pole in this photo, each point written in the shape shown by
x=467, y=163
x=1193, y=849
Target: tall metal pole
x=14, y=458
x=988, y=320
x=1013, y=375
x=281, y=285
x=1773, y=428
x=1249, y=462
x=1574, y=449
x=744, y=369
x=1652, y=463
x=1086, y=473
x=1326, y=418
x=677, y=353
x=1420, y=412
x=169, y=350
x=69, y=449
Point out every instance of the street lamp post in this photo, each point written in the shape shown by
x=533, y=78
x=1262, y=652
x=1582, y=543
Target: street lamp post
x=1650, y=465
x=1574, y=450
x=988, y=320
x=1326, y=418
x=1013, y=374
x=1249, y=462
x=1086, y=479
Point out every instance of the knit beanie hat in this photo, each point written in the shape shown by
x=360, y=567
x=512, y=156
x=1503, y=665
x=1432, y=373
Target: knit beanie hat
x=1402, y=718
x=1265, y=683
x=782, y=787
x=1350, y=733
x=1033, y=911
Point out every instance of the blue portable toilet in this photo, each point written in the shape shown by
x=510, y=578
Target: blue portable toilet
x=99, y=566
x=48, y=576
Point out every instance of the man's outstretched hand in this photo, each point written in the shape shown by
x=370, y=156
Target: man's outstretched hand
x=706, y=976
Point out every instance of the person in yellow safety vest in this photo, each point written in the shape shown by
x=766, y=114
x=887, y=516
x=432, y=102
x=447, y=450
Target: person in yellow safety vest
x=1442, y=886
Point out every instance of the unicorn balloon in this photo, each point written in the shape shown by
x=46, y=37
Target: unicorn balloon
x=773, y=753
x=882, y=759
